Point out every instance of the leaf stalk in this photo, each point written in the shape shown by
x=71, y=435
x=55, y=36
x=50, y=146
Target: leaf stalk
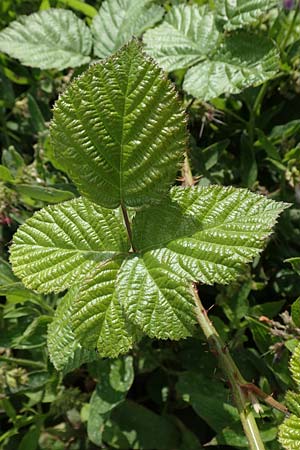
x=232, y=373
x=128, y=226
x=23, y=362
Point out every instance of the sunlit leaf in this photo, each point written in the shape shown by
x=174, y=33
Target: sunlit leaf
x=187, y=35
x=243, y=60
x=50, y=39
x=59, y=244
x=119, y=20
x=119, y=130
x=233, y=14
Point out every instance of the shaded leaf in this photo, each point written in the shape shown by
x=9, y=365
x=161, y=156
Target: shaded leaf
x=296, y=312
x=43, y=193
x=30, y=439
x=49, y=39
x=119, y=20
x=5, y=174
x=204, y=400
x=13, y=160
x=36, y=116
x=248, y=162
x=116, y=379
x=140, y=428
x=295, y=263
x=235, y=437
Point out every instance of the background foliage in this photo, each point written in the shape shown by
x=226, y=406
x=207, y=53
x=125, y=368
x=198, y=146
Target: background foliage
x=164, y=395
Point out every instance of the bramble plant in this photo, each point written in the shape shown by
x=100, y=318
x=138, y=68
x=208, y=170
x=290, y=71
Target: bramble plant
x=217, y=46
x=130, y=249
x=289, y=429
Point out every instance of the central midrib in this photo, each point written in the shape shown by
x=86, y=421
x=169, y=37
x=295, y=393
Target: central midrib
x=122, y=137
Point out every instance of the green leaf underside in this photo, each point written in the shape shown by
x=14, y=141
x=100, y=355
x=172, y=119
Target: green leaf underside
x=97, y=314
x=50, y=39
x=119, y=20
x=186, y=36
x=119, y=131
x=243, y=60
x=59, y=244
x=65, y=351
x=233, y=14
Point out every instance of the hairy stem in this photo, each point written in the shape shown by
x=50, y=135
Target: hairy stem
x=232, y=373
x=128, y=226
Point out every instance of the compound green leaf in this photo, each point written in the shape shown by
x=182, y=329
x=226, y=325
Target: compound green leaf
x=233, y=14
x=119, y=130
x=50, y=39
x=186, y=36
x=59, y=244
x=243, y=60
x=65, y=351
x=97, y=316
x=119, y=20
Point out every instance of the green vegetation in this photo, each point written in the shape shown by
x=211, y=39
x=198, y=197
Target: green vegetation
x=148, y=149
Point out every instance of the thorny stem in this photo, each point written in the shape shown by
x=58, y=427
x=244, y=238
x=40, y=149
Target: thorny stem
x=128, y=226
x=233, y=375
x=251, y=388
